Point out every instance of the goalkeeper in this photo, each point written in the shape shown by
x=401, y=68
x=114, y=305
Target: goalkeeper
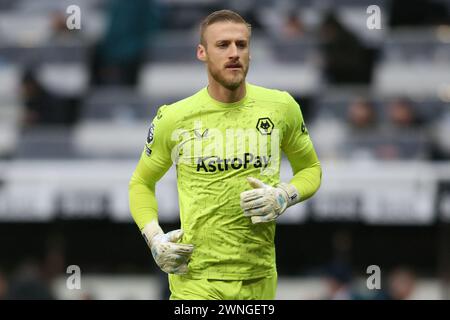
x=229, y=201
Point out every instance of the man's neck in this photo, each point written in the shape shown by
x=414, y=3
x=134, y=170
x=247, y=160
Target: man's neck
x=222, y=94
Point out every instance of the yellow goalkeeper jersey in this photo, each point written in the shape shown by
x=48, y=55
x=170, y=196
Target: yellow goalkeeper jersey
x=214, y=147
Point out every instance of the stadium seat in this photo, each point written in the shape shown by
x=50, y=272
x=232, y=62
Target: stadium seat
x=117, y=104
x=410, y=79
x=45, y=143
x=173, y=47
x=301, y=50
x=97, y=139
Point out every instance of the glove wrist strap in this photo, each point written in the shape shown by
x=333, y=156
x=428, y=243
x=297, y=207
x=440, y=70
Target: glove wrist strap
x=151, y=230
x=293, y=196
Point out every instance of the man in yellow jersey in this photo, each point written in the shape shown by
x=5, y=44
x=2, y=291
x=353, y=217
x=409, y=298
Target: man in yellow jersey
x=225, y=141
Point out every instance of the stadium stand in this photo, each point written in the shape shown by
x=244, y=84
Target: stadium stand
x=378, y=156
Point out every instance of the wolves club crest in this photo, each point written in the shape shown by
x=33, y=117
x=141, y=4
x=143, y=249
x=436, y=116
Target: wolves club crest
x=265, y=126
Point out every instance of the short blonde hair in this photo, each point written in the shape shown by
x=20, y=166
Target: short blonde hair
x=220, y=16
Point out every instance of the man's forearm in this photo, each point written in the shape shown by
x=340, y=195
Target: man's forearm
x=169, y=254
x=142, y=199
x=307, y=174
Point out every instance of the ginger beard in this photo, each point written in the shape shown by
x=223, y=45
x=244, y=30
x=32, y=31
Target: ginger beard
x=227, y=76
x=226, y=53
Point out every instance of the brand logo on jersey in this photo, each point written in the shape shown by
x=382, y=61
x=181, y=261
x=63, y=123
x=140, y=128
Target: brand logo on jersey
x=150, y=134
x=304, y=128
x=265, y=126
x=199, y=135
x=159, y=114
x=214, y=163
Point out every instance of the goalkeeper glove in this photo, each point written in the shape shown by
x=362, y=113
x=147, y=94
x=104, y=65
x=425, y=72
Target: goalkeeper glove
x=265, y=203
x=170, y=256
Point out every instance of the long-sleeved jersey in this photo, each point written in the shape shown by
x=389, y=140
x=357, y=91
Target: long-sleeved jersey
x=215, y=146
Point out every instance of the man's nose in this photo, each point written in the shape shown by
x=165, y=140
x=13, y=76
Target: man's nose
x=233, y=53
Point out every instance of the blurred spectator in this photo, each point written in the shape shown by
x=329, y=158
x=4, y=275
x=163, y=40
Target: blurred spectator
x=362, y=133
x=338, y=274
x=3, y=286
x=402, y=114
x=118, y=57
x=362, y=136
x=342, y=243
x=361, y=116
x=350, y=137
x=43, y=107
x=403, y=136
x=53, y=263
x=28, y=283
x=401, y=285
x=346, y=58
x=292, y=26
x=339, y=282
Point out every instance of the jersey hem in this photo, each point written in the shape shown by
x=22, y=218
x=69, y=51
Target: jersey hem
x=230, y=276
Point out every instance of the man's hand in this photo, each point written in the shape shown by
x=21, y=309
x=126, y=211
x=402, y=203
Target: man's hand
x=170, y=256
x=265, y=203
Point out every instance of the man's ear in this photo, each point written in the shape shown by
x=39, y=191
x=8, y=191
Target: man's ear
x=201, y=53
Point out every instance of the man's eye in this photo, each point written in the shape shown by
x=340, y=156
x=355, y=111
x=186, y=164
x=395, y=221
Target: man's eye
x=222, y=45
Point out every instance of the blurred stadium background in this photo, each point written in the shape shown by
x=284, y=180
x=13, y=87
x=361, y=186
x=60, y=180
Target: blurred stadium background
x=75, y=106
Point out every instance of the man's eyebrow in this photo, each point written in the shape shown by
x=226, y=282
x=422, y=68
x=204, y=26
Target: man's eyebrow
x=228, y=41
